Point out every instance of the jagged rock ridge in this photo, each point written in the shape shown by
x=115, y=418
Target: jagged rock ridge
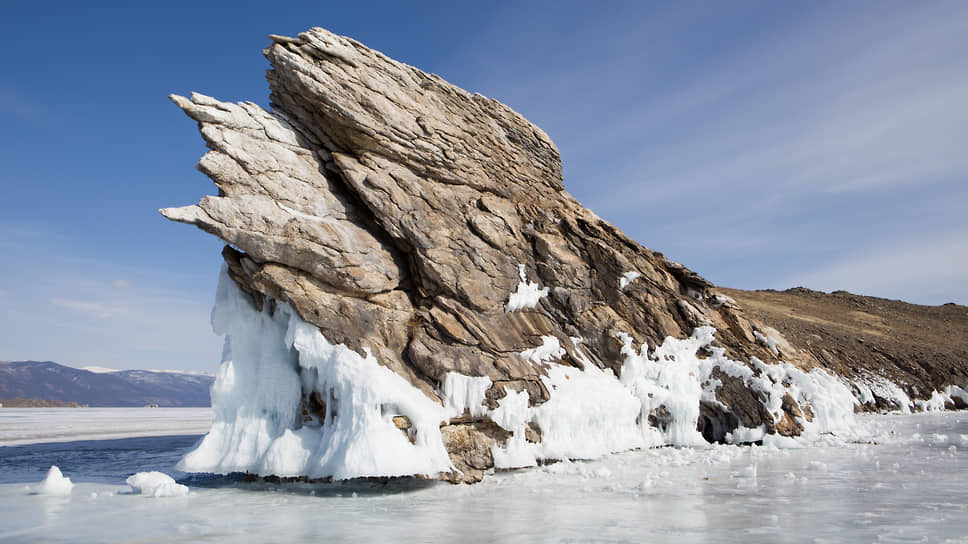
x=399, y=214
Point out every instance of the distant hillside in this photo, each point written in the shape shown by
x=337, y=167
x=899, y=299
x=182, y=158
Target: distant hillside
x=37, y=403
x=51, y=381
x=920, y=348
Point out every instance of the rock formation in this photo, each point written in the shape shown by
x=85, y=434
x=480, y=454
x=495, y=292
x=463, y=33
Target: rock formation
x=410, y=220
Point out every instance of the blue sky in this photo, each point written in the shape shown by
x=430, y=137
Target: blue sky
x=763, y=144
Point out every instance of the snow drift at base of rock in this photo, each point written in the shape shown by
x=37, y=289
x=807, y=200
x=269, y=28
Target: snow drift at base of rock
x=271, y=362
x=274, y=361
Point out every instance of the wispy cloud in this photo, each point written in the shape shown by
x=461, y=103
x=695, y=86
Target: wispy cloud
x=94, y=308
x=104, y=313
x=829, y=108
x=937, y=268
x=773, y=139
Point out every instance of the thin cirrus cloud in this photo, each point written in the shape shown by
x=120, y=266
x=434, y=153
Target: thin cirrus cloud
x=840, y=134
x=833, y=107
x=936, y=268
x=97, y=309
x=101, y=317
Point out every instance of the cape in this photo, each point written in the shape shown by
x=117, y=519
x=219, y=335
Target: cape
x=408, y=289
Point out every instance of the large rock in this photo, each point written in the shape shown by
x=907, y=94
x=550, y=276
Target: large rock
x=406, y=217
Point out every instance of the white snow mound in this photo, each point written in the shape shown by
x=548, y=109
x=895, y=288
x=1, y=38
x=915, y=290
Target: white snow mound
x=55, y=483
x=156, y=484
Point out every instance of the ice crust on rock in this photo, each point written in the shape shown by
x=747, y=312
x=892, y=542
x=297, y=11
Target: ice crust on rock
x=767, y=341
x=627, y=278
x=268, y=364
x=592, y=413
x=55, y=483
x=271, y=362
x=461, y=393
x=870, y=387
x=527, y=295
x=156, y=484
x=549, y=350
x=939, y=400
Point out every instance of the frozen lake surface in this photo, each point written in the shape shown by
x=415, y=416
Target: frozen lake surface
x=35, y=425
x=909, y=483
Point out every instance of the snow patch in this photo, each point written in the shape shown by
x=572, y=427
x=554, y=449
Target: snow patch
x=767, y=341
x=549, y=350
x=156, y=484
x=871, y=387
x=99, y=369
x=527, y=295
x=55, y=483
x=627, y=278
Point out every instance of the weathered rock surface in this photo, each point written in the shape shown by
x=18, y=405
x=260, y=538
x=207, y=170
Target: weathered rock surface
x=396, y=211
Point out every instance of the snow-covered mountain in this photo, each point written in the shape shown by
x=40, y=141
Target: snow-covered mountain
x=51, y=381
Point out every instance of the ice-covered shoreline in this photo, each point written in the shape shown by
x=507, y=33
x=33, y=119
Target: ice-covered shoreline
x=897, y=485
x=290, y=403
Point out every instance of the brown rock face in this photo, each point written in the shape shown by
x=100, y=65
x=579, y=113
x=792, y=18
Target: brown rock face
x=400, y=214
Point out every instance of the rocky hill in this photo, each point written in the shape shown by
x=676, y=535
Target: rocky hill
x=49, y=381
x=390, y=234
x=920, y=348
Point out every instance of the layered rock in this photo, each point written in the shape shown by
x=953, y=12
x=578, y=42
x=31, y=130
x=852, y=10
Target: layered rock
x=409, y=219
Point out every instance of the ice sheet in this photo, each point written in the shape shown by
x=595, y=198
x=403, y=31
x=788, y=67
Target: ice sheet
x=901, y=485
x=44, y=425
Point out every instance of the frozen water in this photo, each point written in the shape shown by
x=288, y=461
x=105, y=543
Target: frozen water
x=55, y=483
x=288, y=402
x=156, y=484
x=462, y=393
x=34, y=425
x=902, y=483
x=269, y=364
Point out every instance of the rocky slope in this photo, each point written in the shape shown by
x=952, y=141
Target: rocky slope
x=920, y=348
x=406, y=218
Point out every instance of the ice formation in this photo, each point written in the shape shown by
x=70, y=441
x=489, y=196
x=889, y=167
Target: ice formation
x=938, y=400
x=55, y=483
x=627, y=278
x=549, y=350
x=270, y=363
x=156, y=484
x=527, y=295
x=656, y=402
x=273, y=362
x=462, y=393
